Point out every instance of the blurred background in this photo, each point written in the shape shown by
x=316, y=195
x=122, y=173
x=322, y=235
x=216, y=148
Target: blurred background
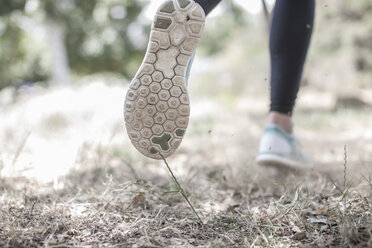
x=46, y=41
x=69, y=175
x=65, y=66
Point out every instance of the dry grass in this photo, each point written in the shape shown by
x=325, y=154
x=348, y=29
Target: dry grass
x=112, y=200
x=103, y=211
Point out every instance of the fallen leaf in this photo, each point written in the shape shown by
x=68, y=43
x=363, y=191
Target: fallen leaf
x=333, y=213
x=299, y=236
x=138, y=200
x=330, y=240
x=321, y=210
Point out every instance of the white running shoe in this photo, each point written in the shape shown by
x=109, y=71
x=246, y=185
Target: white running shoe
x=280, y=148
x=156, y=108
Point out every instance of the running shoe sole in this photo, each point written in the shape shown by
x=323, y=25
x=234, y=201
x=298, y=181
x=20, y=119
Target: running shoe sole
x=278, y=161
x=156, y=108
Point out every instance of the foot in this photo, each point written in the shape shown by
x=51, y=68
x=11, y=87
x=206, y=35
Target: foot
x=279, y=148
x=156, y=108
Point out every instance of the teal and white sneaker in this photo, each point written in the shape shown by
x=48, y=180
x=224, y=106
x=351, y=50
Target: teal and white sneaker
x=280, y=148
x=156, y=108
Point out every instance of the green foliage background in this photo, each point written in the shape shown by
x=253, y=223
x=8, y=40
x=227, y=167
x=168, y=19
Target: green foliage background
x=18, y=61
x=97, y=41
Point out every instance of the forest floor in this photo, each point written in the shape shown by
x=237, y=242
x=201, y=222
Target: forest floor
x=69, y=176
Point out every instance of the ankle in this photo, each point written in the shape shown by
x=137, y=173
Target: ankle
x=283, y=121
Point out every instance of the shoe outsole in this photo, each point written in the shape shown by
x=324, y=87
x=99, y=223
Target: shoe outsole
x=278, y=161
x=157, y=107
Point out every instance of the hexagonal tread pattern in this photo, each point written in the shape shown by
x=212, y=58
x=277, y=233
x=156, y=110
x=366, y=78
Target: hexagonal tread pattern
x=162, y=22
x=183, y=3
x=167, y=7
x=156, y=108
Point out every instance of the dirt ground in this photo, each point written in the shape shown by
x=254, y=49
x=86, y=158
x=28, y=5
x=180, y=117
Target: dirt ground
x=70, y=178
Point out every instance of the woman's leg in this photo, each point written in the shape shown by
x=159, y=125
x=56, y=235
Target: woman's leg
x=290, y=34
x=208, y=5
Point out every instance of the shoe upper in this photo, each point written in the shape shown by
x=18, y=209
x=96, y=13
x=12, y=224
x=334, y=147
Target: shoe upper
x=275, y=141
x=189, y=68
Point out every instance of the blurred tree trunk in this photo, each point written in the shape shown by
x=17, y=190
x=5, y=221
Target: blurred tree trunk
x=60, y=66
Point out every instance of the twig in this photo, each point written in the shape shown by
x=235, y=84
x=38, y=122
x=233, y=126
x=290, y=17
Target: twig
x=369, y=180
x=262, y=235
x=180, y=189
x=345, y=190
x=334, y=184
x=346, y=187
x=20, y=147
x=345, y=166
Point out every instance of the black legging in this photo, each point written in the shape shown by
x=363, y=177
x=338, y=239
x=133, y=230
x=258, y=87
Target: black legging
x=290, y=33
